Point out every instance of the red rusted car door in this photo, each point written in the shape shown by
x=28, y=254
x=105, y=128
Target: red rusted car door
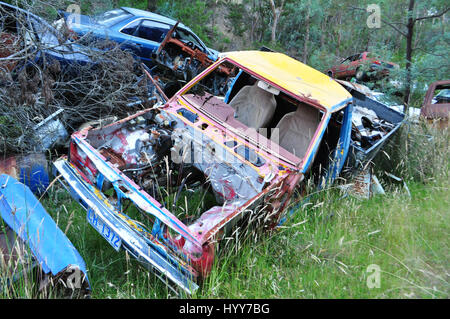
x=438, y=109
x=341, y=70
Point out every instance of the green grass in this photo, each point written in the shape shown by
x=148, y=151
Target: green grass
x=323, y=251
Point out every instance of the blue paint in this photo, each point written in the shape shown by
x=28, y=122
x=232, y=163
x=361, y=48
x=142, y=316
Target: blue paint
x=338, y=106
x=24, y=214
x=35, y=177
x=316, y=144
x=341, y=152
x=231, y=85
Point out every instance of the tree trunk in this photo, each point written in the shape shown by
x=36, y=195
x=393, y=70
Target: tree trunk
x=409, y=49
x=305, y=43
x=338, y=49
x=151, y=5
x=322, y=34
x=274, y=28
x=276, y=16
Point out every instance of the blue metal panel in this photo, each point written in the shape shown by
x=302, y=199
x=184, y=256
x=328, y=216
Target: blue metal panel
x=148, y=253
x=35, y=177
x=316, y=145
x=231, y=85
x=343, y=145
x=31, y=170
x=24, y=214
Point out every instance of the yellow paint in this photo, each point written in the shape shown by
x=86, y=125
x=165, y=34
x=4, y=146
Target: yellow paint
x=293, y=76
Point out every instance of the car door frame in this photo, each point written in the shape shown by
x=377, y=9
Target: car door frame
x=141, y=42
x=357, y=61
x=341, y=69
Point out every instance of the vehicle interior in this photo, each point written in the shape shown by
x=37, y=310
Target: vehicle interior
x=352, y=58
x=255, y=104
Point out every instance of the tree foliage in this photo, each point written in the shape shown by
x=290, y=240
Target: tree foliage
x=318, y=32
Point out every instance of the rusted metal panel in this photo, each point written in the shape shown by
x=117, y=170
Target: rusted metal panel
x=437, y=110
x=9, y=44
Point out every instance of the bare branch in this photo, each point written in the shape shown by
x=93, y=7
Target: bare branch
x=391, y=24
x=437, y=15
x=394, y=27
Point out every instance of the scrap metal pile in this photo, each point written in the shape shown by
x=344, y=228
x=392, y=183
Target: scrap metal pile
x=166, y=171
x=368, y=127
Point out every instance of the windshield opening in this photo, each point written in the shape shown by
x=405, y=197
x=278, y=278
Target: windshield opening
x=441, y=96
x=245, y=101
x=112, y=17
x=186, y=37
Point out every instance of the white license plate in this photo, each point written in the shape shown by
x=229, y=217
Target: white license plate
x=104, y=229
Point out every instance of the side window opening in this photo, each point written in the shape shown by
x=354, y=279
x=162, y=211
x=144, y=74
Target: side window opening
x=131, y=28
x=327, y=146
x=153, y=31
x=186, y=37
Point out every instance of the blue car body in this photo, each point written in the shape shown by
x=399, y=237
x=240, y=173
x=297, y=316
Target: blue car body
x=45, y=40
x=128, y=27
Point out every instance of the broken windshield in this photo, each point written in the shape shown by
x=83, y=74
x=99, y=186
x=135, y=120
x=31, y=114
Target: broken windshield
x=112, y=17
x=187, y=37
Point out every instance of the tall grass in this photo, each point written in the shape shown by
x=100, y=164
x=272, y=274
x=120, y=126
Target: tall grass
x=327, y=249
x=324, y=251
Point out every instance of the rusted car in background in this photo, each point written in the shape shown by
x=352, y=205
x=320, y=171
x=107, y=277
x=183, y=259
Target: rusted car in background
x=436, y=106
x=362, y=66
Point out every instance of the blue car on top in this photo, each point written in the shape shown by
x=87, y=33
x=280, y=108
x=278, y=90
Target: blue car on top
x=138, y=31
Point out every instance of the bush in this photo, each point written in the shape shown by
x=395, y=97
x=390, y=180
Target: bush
x=418, y=152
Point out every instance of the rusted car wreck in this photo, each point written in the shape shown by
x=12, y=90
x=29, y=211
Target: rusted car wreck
x=247, y=132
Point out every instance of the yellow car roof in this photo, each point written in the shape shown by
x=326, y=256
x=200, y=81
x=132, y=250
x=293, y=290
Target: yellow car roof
x=293, y=76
